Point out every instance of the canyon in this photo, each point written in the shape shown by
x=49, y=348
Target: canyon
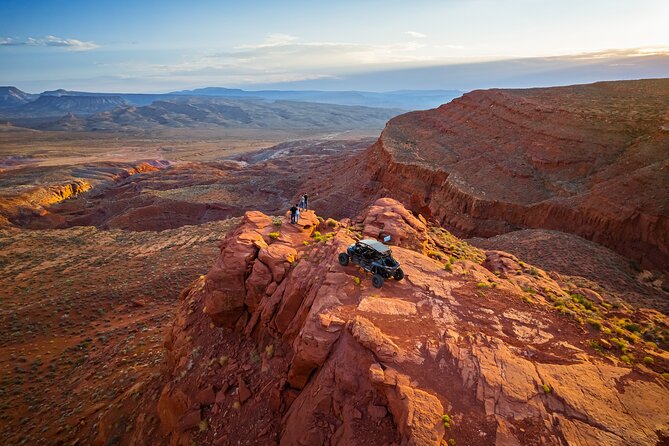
x=154, y=291
x=588, y=160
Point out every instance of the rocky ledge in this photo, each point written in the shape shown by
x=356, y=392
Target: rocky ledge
x=279, y=344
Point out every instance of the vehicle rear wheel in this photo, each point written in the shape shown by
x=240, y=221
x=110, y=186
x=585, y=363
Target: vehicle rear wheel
x=343, y=259
x=399, y=274
x=377, y=280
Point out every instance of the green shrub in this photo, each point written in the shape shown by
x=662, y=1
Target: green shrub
x=331, y=222
x=448, y=267
x=276, y=221
x=634, y=328
x=547, y=388
x=620, y=343
x=626, y=359
x=635, y=266
x=356, y=280
x=446, y=419
x=484, y=285
x=435, y=255
x=594, y=323
x=648, y=360
x=274, y=235
x=452, y=442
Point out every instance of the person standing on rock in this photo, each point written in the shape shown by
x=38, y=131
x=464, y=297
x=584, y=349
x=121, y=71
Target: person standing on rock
x=293, y=214
x=297, y=215
x=305, y=201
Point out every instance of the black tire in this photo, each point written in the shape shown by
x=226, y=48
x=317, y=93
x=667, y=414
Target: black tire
x=343, y=259
x=399, y=274
x=377, y=280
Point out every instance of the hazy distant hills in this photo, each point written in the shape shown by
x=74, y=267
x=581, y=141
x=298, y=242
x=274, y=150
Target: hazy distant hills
x=64, y=110
x=45, y=106
x=12, y=97
x=403, y=99
x=72, y=113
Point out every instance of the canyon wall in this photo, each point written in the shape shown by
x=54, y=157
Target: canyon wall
x=590, y=160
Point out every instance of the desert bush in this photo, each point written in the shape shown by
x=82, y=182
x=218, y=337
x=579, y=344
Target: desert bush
x=276, y=221
x=594, y=323
x=627, y=359
x=446, y=419
x=274, y=235
x=620, y=343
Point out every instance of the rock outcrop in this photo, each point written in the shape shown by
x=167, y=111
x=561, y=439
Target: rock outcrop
x=465, y=350
x=590, y=160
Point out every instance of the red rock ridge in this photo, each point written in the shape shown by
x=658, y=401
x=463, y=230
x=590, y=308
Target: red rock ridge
x=343, y=363
x=589, y=160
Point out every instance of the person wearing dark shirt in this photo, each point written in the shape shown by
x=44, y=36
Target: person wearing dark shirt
x=305, y=199
x=293, y=214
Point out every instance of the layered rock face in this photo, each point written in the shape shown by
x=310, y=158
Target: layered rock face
x=279, y=344
x=591, y=160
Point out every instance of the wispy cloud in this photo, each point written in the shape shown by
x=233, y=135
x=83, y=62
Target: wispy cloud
x=285, y=58
x=415, y=34
x=49, y=41
x=273, y=40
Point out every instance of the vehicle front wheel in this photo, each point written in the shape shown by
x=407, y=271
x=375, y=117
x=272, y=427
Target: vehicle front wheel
x=343, y=259
x=377, y=280
x=399, y=274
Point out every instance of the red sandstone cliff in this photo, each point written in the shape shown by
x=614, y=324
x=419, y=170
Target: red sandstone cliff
x=280, y=344
x=592, y=160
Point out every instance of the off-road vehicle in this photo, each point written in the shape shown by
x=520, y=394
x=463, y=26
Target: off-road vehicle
x=373, y=257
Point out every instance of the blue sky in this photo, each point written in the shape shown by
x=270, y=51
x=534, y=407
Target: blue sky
x=165, y=45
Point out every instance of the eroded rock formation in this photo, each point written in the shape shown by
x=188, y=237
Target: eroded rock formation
x=280, y=344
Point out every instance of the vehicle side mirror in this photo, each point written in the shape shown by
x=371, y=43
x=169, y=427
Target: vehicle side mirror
x=386, y=239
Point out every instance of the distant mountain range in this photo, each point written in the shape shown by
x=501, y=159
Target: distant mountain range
x=211, y=107
x=403, y=99
x=12, y=97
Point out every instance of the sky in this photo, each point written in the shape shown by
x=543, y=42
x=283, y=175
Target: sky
x=377, y=45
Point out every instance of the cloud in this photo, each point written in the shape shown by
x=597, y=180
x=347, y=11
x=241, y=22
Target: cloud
x=272, y=40
x=415, y=34
x=283, y=58
x=50, y=41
